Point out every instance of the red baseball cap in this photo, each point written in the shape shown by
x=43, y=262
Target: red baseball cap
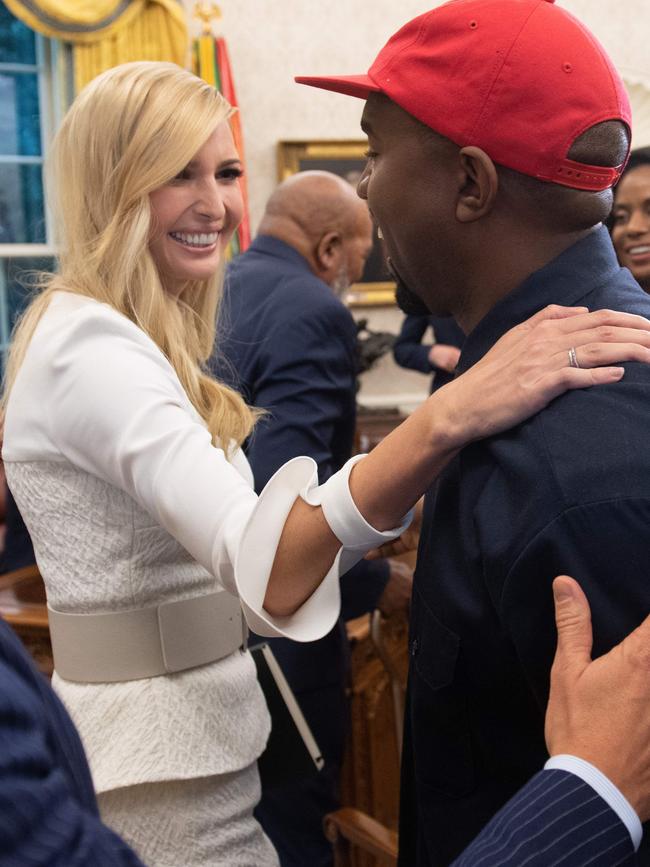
x=521, y=79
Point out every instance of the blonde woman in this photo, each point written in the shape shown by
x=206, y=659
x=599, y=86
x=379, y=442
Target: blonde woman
x=124, y=458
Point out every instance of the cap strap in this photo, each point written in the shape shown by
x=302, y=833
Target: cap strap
x=583, y=177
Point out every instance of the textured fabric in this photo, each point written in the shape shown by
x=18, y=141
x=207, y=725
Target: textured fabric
x=566, y=492
x=555, y=820
x=129, y=504
x=48, y=813
x=206, y=822
x=97, y=549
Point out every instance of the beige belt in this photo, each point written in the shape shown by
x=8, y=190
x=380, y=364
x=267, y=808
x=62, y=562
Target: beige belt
x=146, y=642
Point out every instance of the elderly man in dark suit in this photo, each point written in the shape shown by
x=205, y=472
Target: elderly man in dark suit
x=290, y=348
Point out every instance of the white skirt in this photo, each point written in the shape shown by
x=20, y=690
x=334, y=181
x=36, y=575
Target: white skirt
x=200, y=822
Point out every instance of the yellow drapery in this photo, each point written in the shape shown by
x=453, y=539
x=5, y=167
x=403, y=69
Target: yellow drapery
x=105, y=33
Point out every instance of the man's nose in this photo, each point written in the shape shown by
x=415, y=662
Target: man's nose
x=362, y=185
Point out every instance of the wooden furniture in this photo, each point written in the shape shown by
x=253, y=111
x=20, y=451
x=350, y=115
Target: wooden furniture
x=22, y=605
x=348, y=828
x=366, y=835
x=373, y=425
x=363, y=832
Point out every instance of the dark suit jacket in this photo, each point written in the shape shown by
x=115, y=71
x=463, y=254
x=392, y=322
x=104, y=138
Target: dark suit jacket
x=18, y=550
x=288, y=344
x=48, y=812
x=555, y=820
x=409, y=351
x=566, y=492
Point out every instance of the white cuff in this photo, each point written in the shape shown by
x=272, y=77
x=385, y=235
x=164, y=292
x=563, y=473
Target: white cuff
x=341, y=513
x=259, y=541
x=605, y=788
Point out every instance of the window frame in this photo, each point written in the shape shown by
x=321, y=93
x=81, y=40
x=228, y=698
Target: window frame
x=55, y=88
x=54, y=69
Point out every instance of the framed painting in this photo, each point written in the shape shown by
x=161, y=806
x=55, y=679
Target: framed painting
x=345, y=158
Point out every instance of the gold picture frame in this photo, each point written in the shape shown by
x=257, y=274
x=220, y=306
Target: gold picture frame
x=346, y=158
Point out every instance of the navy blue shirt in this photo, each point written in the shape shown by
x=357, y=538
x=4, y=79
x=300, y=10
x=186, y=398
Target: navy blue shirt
x=566, y=492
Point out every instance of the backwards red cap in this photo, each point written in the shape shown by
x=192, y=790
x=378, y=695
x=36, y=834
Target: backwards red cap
x=521, y=79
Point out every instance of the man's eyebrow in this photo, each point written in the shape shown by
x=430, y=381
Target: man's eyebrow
x=366, y=126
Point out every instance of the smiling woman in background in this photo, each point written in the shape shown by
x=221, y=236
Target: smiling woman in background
x=631, y=217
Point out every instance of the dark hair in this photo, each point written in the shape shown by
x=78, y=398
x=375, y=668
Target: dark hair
x=564, y=209
x=638, y=157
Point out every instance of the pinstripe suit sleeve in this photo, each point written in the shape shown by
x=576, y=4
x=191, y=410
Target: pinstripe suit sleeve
x=556, y=820
x=48, y=812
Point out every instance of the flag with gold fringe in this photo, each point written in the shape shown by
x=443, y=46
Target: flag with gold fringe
x=211, y=63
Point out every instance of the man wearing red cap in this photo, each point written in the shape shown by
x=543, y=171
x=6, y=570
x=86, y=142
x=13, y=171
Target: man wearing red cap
x=496, y=131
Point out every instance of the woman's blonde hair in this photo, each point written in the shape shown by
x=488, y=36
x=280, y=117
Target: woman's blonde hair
x=131, y=130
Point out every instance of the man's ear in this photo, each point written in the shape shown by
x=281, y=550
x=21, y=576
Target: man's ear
x=478, y=187
x=328, y=251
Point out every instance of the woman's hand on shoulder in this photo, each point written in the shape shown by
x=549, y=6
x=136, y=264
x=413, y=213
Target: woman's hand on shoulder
x=532, y=364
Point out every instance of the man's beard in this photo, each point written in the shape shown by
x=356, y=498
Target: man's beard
x=406, y=299
x=341, y=282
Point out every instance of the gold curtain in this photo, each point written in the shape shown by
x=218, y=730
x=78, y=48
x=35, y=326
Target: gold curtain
x=105, y=33
x=159, y=32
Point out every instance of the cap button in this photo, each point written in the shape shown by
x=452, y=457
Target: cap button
x=550, y=1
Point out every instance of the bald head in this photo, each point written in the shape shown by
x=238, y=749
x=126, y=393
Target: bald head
x=320, y=215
